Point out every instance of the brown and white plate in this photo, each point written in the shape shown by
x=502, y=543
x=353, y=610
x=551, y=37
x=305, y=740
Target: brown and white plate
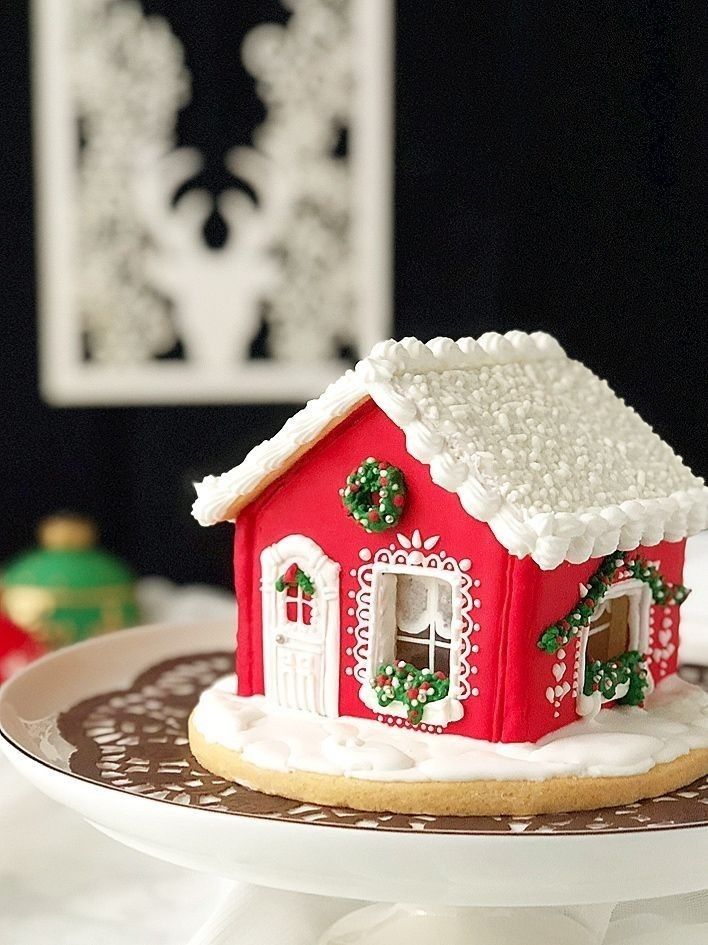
x=102, y=728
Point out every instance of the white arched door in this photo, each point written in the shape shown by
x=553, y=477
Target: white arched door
x=301, y=629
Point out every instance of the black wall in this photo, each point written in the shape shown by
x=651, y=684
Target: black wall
x=548, y=176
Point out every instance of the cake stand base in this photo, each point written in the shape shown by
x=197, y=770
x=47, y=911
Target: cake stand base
x=382, y=924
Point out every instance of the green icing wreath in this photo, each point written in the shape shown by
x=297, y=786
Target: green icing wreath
x=375, y=495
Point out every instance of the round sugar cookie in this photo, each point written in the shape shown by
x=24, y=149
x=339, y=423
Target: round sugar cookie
x=456, y=798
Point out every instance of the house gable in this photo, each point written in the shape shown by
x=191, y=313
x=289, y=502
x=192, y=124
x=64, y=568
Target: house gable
x=305, y=500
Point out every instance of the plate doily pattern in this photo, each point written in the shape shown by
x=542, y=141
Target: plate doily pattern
x=135, y=740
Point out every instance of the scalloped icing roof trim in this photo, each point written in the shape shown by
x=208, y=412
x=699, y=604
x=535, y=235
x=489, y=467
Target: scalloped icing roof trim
x=532, y=442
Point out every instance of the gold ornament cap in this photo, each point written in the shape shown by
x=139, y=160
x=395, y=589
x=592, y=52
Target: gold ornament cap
x=67, y=532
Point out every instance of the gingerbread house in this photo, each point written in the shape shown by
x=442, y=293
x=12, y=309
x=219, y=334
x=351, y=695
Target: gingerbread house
x=474, y=537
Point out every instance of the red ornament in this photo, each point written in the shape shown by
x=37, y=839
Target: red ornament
x=354, y=487
x=439, y=675
x=413, y=693
x=398, y=501
x=373, y=516
x=17, y=648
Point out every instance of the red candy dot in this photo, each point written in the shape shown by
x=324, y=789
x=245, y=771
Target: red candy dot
x=398, y=501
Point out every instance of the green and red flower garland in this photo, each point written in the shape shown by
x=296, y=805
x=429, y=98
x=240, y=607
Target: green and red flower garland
x=415, y=688
x=559, y=634
x=375, y=495
x=296, y=577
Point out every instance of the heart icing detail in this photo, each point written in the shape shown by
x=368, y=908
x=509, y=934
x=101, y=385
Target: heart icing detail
x=561, y=691
x=559, y=671
x=664, y=637
x=550, y=694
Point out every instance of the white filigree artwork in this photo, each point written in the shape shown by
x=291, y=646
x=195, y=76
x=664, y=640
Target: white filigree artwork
x=126, y=275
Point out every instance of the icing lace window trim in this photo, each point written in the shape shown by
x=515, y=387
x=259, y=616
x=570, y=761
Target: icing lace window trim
x=409, y=558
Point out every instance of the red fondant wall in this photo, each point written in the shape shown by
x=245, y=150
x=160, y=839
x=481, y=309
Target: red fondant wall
x=517, y=600
x=306, y=500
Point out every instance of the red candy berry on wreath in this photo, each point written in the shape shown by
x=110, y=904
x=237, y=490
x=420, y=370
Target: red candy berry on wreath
x=413, y=693
x=373, y=515
x=399, y=501
x=439, y=675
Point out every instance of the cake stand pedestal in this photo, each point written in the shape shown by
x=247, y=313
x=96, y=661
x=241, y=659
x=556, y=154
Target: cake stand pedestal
x=383, y=923
x=100, y=727
x=380, y=925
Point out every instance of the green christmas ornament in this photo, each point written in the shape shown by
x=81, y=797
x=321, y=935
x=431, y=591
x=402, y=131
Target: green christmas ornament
x=68, y=589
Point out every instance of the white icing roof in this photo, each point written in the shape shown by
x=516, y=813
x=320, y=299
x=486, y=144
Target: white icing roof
x=531, y=441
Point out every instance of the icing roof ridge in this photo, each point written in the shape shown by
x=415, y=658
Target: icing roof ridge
x=446, y=354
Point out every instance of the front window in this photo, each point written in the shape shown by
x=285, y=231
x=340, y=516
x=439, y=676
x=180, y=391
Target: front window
x=423, y=619
x=415, y=635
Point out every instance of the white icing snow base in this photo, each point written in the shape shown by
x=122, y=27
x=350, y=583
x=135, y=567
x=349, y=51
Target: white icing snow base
x=620, y=741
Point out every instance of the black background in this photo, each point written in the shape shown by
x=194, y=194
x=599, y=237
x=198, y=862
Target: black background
x=548, y=175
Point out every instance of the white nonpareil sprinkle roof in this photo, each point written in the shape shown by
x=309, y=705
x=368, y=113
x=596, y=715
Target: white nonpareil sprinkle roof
x=532, y=442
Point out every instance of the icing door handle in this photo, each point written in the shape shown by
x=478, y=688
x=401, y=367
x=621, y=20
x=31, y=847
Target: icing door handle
x=280, y=638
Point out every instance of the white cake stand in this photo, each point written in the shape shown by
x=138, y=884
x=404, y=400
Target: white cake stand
x=513, y=884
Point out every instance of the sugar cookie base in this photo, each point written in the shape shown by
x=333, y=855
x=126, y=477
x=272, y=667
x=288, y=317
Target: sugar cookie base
x=456, y=798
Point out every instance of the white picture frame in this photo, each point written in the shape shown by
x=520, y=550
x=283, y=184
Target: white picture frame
x=69, y=273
